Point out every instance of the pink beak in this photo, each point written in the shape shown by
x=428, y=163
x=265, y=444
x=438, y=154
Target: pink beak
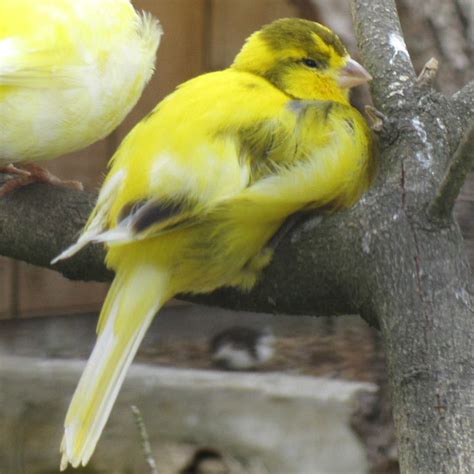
x=353, y=74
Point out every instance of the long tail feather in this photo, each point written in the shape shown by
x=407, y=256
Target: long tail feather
x=134, y=298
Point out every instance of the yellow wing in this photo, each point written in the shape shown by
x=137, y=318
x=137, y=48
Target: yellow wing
x=182, y=159
x=186, y=159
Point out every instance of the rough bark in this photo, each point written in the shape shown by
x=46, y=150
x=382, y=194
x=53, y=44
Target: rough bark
x=418, y=286
x=385, y=258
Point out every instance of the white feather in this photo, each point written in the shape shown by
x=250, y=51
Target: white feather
x=99, y=220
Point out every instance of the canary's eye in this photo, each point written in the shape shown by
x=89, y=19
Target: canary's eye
x=312, y=63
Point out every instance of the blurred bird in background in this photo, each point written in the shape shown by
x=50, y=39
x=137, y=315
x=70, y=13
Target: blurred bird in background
x=200, y=186
x=206, y=461
x=241, y=348
x=70, y=71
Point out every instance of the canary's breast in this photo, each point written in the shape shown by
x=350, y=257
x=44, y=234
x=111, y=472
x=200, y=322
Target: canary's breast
x=70, y=70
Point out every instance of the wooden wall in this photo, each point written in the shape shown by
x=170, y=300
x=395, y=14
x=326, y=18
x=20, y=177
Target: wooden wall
x=199, y=35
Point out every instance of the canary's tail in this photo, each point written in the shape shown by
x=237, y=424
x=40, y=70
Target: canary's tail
x=133, y=299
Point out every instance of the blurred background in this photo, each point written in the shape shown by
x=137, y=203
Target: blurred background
x=46, y=317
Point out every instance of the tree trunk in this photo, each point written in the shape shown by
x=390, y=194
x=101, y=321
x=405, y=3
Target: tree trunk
x=415, y=284
x=417, y=277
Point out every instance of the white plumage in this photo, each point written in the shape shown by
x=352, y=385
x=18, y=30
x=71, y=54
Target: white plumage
x=70, y=71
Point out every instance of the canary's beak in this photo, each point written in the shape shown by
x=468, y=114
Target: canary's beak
x=353, y=74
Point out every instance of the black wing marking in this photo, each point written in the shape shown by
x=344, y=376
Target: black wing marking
x=157, y=216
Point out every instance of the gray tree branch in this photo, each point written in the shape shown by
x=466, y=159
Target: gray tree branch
x=37, y=222
x=451, y=185
x=384, y=52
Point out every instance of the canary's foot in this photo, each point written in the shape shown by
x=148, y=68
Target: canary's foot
x=44, y=176
x=11, y=169
x=23, y=178
x=32, y=173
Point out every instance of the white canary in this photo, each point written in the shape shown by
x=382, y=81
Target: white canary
x=70, y=71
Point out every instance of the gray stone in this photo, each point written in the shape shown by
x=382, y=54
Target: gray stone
x=282, y=423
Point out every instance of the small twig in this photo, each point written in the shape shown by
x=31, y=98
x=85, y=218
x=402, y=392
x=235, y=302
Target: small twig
x=144, y=439
x=461, y=165
x=428, y=73
x=376, y=118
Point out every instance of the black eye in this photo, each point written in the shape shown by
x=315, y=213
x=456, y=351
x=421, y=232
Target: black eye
x=311, y=63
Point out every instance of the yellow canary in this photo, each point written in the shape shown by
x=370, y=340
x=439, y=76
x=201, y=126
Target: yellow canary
x=70, y=71
x=198, y=188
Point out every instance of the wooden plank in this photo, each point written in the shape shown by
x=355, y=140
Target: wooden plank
x=43, y=292
x=180, y=55
x=6, y=287
x=232, y=22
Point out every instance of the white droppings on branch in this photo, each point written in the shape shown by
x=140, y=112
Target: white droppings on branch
x=463, y=295
x=420, y=130
x=396, y=91
x=441, y=125
x=398, y=45
x=397, y=87
x=366, y=243
x=398, y=82
x=384, y=226
x=425, y=157
x=308, y=226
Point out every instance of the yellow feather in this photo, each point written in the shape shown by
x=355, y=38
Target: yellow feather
x=198, y=188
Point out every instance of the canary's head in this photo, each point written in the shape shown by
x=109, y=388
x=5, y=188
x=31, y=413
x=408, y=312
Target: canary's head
x=302, y=58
